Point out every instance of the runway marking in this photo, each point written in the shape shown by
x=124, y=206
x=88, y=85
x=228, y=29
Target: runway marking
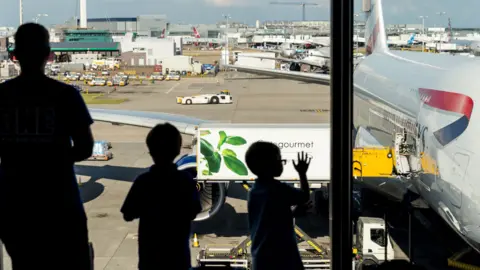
x=172, y=88
x=316, y=110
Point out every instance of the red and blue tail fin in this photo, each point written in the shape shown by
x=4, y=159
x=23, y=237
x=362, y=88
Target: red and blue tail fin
x=375, y=36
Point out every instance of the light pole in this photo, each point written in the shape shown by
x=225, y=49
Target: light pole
x=226, y=38
x=441, y=24
x=20, y=3
x=440, y=14
x=38, y=17
x=423, y=31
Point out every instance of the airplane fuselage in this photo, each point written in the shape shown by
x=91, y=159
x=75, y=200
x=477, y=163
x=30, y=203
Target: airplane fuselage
x=432, y=97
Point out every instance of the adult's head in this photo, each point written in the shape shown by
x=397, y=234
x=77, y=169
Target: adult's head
x=264, y=159
x=164, y=142
x=32, y=47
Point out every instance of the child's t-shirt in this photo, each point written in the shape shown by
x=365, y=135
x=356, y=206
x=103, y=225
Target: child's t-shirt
x=271, y=223
x=165, y=200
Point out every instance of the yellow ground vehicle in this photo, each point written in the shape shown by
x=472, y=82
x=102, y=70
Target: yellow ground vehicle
x=157, y=76
x=173, y=76
x=117, y=81
x=97, y=82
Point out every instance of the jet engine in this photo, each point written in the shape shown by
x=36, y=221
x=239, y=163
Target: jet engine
x=212, y=195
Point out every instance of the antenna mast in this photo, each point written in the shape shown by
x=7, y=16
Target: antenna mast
x=450, y=33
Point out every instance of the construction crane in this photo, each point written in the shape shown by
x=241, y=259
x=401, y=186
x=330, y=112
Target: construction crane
x=303, y=4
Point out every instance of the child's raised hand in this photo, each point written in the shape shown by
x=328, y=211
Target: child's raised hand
x=303, y=161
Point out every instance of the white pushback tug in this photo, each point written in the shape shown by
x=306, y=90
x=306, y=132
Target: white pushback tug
x=223, y=97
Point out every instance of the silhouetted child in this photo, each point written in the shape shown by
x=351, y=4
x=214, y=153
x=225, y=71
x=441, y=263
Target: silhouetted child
x=165, y=200
x=270, y=202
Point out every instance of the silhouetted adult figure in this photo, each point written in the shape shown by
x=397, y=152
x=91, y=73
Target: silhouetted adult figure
x=44, y=129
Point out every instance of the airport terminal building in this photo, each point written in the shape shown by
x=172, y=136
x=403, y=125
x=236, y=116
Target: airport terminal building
x=143, y=25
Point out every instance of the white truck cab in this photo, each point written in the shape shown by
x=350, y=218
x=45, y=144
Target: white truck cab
x=370, y=242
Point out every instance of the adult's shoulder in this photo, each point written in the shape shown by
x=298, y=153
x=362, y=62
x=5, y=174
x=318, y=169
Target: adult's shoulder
x=8, y=84
x=143, y=177
x=65, y=89
x=186, y=176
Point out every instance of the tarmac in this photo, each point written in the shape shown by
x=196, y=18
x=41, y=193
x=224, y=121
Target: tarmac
x=106, y=183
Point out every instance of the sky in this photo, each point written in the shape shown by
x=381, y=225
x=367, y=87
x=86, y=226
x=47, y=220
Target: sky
x=463, y=13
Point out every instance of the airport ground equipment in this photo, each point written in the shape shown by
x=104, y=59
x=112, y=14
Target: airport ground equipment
x=455, y=260
x=315, y=257
x=402, y=161
x=223, y=97
x=372, y=242
x=101, y=151
x=173, y=76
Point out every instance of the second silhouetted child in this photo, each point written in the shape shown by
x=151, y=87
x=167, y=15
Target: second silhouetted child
x=165, y=200
x=270, y=202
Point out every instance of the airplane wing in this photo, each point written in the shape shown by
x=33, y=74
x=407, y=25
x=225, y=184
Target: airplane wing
x=186, y=125
x=291, y=75
x=300, y=61
x=268, y=50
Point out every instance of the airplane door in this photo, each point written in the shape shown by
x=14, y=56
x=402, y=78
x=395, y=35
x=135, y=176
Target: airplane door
x=458, y=171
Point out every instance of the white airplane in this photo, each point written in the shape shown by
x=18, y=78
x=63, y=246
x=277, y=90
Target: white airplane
x=390, y=42
x=429, y=98
x=408, y=42
x=318, y=57
x=289, y=50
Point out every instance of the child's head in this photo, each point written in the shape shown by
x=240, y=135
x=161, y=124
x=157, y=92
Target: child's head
x=164, y=142
x=264, y=159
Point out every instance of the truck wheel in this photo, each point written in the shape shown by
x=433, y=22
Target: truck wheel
x=188, y=101
x=366, y=264
x=215, y=100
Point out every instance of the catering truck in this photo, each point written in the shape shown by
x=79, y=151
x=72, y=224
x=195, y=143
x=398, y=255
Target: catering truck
x=222, y=147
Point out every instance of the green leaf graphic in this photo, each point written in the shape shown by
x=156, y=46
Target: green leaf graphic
x=228, y=152
x=223, y=138
x=206, y=148
x=235, y=165
x=206, y=172
x=214, y=162
x=204, y=132
x=236, y=140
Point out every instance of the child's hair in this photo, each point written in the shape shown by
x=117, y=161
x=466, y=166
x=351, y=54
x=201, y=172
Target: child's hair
x=261, y=156
x=165, y=141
